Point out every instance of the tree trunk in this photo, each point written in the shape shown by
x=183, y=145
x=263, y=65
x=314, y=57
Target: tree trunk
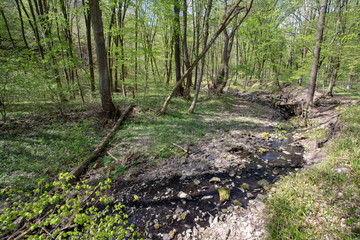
x=7, y=26
x=89, y=47
x=206, y=35
x=186, y=52
x=104, y=81
x=22, y=23
x=315, y=65
x=336, y=64
x=223, y=73
x=222, y=26
x=177, y=55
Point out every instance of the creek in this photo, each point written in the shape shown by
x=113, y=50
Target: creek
x=161, y=207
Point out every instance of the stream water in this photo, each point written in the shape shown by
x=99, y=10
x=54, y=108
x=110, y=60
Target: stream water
x=180, y=203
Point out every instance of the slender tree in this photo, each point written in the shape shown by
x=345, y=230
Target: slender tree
x=315, y=65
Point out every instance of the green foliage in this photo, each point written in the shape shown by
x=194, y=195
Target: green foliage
x=70, y=205
x=41, y=147
x=321, y=203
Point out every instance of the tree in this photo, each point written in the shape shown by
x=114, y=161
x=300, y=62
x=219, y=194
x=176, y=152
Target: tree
x=104, y=80
x=226, y=20
x=315, y=65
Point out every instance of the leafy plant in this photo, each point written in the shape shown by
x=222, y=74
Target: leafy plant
x=73, y=211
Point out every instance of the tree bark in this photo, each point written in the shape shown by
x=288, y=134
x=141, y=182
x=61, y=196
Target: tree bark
x=177, y=55
x=223, y=73
x=22, y=23
x=315, y=65
x=206, y=35
x=104, y=81
x=89, y=47
x=186, y=52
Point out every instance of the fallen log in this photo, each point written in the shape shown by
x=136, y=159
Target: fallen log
x=76, y=172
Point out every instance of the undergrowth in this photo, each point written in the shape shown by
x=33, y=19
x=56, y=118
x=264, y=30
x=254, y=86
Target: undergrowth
x=78, y=211
x=322, y=202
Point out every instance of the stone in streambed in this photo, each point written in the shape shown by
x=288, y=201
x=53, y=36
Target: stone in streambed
x=215, y=180
x=182, y=195
x=224, y=194
x=245, y=186
x=237, y=203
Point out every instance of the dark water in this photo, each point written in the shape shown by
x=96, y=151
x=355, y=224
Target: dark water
x=160, y=210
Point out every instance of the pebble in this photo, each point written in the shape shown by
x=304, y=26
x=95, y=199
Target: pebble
x=182, y=195
x=215, y=180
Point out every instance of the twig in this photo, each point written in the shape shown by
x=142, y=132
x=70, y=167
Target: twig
x=181, y=148
x=112, y=156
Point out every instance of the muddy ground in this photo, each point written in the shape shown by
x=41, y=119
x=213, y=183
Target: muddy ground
x=180, y=198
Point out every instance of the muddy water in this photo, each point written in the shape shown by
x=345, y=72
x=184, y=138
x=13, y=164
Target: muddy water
x=160, y=208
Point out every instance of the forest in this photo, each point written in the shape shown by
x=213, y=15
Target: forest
x=178, y=119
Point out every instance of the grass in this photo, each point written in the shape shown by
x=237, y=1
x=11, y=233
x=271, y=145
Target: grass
x=41, y=147
x=41, y=143
x=153, y=134
x=321, y=203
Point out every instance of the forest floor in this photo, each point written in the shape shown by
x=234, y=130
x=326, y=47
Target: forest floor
x=245, y=147
x=172, y=171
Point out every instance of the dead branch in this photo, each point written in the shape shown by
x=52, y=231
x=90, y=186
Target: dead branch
x=112, y=156
x=181, y=148
x=100, y=148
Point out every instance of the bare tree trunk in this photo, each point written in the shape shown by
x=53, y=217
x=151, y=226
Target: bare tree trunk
x=315, y=65
x=222, y=26
x=177, y=55
x=104, y=81
x=89, y=47
x=206, y=35
x=223, y=73
x=7, y=26
x=22, y=23
x=336, y=64
x=186, y=52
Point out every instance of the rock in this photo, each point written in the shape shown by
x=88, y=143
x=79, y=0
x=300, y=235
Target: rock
x=232, y=173
x=229, y=158
x=260, y=206
x=206, y=197
x=182, y=195
x=211, y=158
x=260, y=197
x=215, y=180
x=342, y=170
x=184, y=161
x=262, y=150
x=224, y=194
x=166, y=236
x=172, y=234
x=263, y=183
x=265, y=135
x=275, y=171
x=245, y=186
x=183, y=177
x=237, y=203
x=249, y=195
x=259, y=166
x=196, y=181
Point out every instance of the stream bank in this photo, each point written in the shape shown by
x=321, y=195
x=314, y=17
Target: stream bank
x=179, y=197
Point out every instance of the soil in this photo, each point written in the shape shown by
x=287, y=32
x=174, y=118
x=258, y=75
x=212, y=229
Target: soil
x=179, y=199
